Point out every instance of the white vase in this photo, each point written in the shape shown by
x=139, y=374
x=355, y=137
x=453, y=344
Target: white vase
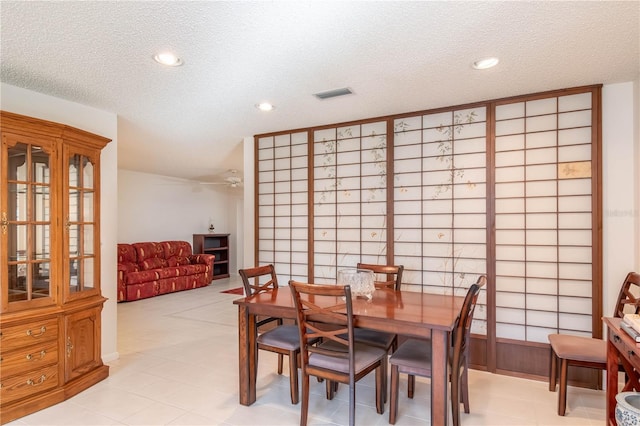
x=628, y=409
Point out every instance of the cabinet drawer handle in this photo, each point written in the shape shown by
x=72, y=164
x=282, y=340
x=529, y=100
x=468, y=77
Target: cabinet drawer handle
x=4, y=222
x=630, y=353
x=39, y=382
x=69, y=347
x=42, y=331
x=616, y=338
x=42, y=354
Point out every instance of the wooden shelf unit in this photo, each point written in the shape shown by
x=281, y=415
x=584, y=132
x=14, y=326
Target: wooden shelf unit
x=218, y=245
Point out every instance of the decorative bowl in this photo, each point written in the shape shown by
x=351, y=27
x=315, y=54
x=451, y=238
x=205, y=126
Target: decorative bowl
x=628, y=409
x=360, y=281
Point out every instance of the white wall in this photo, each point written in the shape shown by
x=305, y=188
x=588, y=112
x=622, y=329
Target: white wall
x=621, y=189
x=103, y=123
x=160, y=208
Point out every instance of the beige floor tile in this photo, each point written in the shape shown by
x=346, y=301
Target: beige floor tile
x=178, y=365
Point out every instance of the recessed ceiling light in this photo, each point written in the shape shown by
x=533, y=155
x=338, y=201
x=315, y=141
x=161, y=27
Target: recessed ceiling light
x=265, y=106
x=168, y=59
x=483, y=64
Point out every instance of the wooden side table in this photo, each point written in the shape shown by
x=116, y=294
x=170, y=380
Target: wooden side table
x=621, y=350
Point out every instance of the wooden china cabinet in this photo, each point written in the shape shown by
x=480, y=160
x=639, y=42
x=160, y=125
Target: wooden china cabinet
x=50, y=299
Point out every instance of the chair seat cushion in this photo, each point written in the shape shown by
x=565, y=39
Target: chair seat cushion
x=375, y=338
x=413, y=353
x=365, y=356
x=283, y=336
x=579, y=348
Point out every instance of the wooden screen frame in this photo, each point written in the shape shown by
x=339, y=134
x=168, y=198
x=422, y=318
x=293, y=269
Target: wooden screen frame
x=496, y=355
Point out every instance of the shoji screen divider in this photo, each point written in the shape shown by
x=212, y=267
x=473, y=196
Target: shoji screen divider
x=282, y=204
x=440, y=202
x=508, y=187
x=350, y=198
x=547, y=219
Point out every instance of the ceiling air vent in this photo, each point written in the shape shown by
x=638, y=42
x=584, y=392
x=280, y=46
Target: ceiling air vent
x=333, y=93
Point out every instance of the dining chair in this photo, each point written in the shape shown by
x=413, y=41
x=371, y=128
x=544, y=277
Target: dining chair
x=588, y=351
x=326, y=312
x=386, y=276
x=413, y=357
x=411, y=382
x=282, y=339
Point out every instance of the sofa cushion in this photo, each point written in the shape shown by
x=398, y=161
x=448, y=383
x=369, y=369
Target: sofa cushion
x=142, y=276
x=180, y=271
x=176, y=248
x=127, y=253
x=152, y=263
x=128, y=267
x=148, y=250
x=178, y=261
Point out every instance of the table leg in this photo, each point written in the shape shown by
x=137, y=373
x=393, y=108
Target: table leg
x=246, y=356
x=612, y=382
x=439, y=376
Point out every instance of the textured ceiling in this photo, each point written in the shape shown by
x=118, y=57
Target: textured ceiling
x=397, y=57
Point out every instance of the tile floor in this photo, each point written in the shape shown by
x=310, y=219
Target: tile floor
x=178, y=366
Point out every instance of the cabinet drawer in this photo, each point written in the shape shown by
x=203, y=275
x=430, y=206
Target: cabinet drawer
x=28, y=334
x=27, y=359
x=27, y=384
x=627, y=347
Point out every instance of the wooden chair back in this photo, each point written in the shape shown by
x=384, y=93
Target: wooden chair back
x=258, y=279
x=461, y=334
x=324, y=312
x=392, y=274
x=629, y=296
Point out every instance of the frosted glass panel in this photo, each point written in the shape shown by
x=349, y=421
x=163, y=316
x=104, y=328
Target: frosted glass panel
x=541, y=139
x=509, y=143
x=541, y=123
x=574, y=153
x=513, y=110
x=574, y=119
x=574, y=102
x=542, y=106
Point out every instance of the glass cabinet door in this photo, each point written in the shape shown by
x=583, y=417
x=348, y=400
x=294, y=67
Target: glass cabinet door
x=81, y=241
x=26, y=223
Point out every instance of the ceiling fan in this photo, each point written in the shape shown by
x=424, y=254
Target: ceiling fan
x=232, y=181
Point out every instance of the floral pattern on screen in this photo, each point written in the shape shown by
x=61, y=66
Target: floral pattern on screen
x=350, y=179
x=440, y=202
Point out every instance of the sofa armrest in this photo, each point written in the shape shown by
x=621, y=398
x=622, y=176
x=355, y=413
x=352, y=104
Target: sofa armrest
x=205, y=259
x=122, y=270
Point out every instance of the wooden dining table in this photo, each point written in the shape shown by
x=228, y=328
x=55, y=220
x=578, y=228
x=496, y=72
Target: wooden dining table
x=400, y=312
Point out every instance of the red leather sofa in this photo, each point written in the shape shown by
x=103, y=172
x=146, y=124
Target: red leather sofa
x=150, y=269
